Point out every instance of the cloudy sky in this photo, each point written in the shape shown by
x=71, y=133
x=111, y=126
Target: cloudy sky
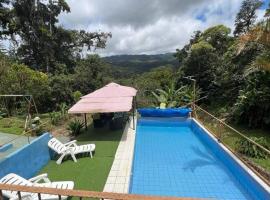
x=148, y=26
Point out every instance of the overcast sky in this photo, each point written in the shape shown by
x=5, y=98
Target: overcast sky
x=148, y=26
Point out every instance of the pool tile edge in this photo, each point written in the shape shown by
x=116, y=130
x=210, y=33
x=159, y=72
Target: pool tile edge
x=119, y=176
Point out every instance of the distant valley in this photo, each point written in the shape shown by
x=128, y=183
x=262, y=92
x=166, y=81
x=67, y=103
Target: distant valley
x=137, y=64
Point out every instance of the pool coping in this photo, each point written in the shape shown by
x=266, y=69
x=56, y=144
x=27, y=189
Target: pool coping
x=119, y=176
x=243, y=165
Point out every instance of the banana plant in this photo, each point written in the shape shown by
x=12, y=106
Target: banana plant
x=170, y=96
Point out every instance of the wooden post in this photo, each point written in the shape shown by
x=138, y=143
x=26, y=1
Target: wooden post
x=134, y=107
x=1, y=195
x=85, y=121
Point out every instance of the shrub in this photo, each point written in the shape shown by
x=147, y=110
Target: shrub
x=76, y=95
x=55, y=118
x=75, y=127
x=63, y=110
x=249, y=149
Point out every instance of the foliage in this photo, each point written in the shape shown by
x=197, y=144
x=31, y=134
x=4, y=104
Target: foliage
x=202, y=59
x=19, y=79
x=63, y=110
x=89, y=74
x=181, y=54
x=75, y=127
x=249, y=149
x=233, y=72
x=201, y=64
x=13, y=125
x=60, y=90
x=246, y=16
x=76, y=95
x=123, y=66
x=42, y=44
x=149, y=81
x=170, y=96
x=217, y=37
x=253, y=103
x=259, y=34
x=55, y=118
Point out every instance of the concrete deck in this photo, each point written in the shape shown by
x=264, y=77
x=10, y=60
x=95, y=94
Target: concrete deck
x=119, y=176
x=17, y=142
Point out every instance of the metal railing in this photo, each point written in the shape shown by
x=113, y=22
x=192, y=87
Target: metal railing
x=231, y=137
x=80, y=193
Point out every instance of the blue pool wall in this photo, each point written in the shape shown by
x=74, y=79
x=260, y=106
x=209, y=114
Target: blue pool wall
x=167, y=112
x=6, y=147
x=28, y=160
x=246, y=179
x=162, y=121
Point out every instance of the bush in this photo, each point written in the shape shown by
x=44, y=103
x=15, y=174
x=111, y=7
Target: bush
x=249, y=149
x=55, y=118
x=63, y=110
x=76, y=95
x=75, y=127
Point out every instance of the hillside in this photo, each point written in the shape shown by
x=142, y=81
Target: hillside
x=130, y=64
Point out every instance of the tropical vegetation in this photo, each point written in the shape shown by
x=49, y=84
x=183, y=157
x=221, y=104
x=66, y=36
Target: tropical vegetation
x=53, y=64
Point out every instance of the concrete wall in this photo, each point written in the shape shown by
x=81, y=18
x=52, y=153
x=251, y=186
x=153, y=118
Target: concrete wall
x=28, y=160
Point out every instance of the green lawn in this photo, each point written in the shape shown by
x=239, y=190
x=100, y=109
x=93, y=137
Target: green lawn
x=87, y=173
x=13, y=125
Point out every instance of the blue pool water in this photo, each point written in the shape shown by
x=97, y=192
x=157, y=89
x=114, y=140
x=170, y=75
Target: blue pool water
x=173, y=158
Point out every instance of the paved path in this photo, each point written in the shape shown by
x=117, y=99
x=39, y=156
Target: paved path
x=119, y=176
x=17, y=141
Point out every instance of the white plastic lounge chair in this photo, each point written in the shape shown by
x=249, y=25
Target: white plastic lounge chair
x=70, y=148
x=38, y=181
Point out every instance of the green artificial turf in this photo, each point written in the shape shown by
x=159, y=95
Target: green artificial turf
x=87, y=173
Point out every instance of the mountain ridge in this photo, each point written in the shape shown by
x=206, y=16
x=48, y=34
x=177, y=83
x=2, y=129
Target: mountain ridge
x=129, y=64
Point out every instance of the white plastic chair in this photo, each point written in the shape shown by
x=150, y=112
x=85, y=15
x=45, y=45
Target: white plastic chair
x=38, y=181
x=70, y=148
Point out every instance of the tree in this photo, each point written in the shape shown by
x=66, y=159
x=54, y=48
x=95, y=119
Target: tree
x=60, y=91
x=218, y=37
x=201, y=64
x=20, y=79
x=90, y=74
x=43, y=45
x=259, y=34
x=183, y=53
x=253, y=104
x=246, y=16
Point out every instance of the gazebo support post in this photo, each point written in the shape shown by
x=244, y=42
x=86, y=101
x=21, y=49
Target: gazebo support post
x=85, y=121
x=133, y=108
x=133, y=119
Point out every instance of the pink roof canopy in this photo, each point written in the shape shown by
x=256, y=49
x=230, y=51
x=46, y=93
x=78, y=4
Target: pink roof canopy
x=111, y=98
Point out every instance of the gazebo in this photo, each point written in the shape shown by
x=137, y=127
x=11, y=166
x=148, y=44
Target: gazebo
x=108, y=99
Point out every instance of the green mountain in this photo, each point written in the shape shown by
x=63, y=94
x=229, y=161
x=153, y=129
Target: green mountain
x=137, y=64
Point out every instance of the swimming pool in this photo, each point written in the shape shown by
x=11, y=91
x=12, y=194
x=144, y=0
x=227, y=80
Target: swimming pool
x=175, y=157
